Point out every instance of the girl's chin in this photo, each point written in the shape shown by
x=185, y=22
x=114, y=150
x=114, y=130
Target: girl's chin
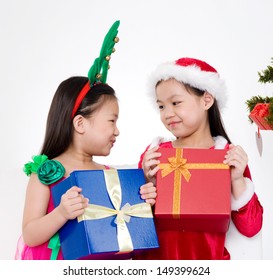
x=103, y=154
x=176, y=135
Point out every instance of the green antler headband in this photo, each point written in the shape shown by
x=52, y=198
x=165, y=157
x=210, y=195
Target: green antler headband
x=98, y=71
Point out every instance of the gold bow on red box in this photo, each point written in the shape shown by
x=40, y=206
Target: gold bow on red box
x=180, y=167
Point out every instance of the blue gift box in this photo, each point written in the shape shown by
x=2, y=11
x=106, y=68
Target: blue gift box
x=102, y=237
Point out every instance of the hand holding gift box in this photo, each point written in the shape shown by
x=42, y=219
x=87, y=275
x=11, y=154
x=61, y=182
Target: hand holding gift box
x=193, y=190
x=117, y=220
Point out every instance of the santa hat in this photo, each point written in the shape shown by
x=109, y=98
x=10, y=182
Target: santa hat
x=195, y=73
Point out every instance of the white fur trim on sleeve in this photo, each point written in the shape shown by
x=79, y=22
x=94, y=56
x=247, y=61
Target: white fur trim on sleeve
x=157, y=140
x=219, y=142
x=236, y=204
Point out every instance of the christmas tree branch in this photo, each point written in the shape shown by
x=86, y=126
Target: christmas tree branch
x=266, y=76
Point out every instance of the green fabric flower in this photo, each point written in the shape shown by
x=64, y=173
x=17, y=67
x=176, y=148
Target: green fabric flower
x=32, y=167
x=50, y=172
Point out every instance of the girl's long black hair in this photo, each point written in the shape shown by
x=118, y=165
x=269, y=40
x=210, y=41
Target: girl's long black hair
x=59, y=127
x=215, y=119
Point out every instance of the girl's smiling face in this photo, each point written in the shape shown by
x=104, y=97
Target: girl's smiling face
x=101, y=129
x=182, y=112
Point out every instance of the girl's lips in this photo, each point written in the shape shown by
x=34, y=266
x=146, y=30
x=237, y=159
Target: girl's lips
x=112, y=142
x=172, y=124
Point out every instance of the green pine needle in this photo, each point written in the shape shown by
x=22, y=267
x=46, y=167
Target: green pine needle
x=266, y=76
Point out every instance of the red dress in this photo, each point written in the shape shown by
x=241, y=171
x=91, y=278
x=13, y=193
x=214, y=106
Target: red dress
x=188, y=245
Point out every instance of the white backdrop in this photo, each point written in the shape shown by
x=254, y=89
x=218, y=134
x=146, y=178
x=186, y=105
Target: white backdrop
x=45, y=42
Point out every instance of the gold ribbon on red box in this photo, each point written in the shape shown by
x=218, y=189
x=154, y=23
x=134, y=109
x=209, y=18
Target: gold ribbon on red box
x=180, y=167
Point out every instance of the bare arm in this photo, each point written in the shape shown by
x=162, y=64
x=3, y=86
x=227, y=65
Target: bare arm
x=38, y=225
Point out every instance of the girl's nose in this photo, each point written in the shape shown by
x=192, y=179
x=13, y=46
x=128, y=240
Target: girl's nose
x=116, y=132
x=168, y=113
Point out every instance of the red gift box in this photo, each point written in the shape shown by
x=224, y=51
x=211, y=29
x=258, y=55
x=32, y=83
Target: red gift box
x=259, y=114
x=193, y=190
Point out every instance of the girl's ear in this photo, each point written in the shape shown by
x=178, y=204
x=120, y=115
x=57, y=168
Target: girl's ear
x=208, y=100
x=78, y=124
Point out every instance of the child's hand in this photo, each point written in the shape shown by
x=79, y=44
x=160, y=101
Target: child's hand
x=148, y=192
x=73, y=203
x=150, y=164
x=237, y=158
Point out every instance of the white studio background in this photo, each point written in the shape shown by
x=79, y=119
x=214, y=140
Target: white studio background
x=45, y=42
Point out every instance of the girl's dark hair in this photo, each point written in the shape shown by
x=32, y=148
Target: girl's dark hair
x=59, y=127
x=215, y=118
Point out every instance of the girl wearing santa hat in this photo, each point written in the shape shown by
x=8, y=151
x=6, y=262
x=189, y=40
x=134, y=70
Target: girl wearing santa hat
x=190, y=94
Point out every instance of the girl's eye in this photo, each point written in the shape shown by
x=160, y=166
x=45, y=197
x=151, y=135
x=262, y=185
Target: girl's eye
x=176, y=103
x=160, y=107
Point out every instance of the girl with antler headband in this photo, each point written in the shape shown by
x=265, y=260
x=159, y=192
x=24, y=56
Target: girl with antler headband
x=82, y=123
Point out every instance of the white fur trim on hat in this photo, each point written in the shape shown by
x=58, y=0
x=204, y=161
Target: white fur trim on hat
x=193, y=76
